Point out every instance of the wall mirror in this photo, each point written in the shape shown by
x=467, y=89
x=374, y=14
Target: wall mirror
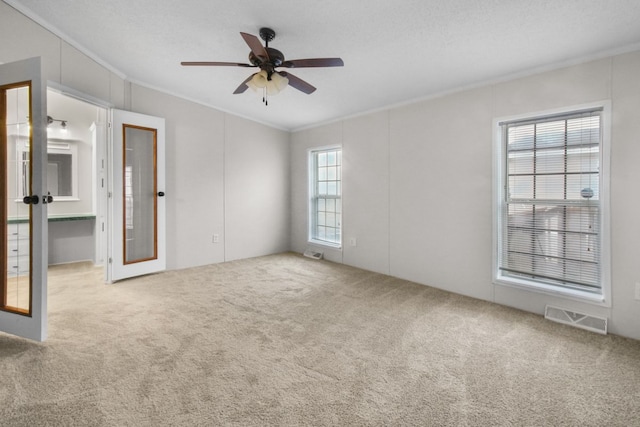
x=62, y=168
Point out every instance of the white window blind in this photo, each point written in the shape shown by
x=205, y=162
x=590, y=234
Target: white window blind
x=325, y=220
x=550, y=214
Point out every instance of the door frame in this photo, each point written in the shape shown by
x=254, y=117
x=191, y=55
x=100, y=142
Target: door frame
x=101, y=170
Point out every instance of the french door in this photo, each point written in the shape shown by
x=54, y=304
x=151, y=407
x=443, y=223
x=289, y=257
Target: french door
x=137, y=221
x=23, y=200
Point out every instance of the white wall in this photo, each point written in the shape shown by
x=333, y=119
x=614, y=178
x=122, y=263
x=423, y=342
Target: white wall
x=213, y=159
x=625, y=152
x=366, y=162
x=418, y=185
x=257, y=181
x=71, y=241
x=440, y=178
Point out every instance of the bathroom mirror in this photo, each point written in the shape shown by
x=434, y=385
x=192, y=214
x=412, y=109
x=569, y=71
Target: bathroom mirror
x=62, y=168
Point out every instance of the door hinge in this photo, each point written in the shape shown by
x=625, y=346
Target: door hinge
x=109, y=194
x=110, y=260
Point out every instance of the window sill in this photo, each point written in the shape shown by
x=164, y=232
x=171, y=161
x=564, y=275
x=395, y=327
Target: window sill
x=556, y=291
x=325, y=244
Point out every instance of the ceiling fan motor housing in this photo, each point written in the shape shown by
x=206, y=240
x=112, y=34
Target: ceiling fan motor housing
x=276, y=58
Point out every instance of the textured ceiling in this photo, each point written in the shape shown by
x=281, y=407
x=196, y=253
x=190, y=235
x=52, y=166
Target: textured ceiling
x=394, y=51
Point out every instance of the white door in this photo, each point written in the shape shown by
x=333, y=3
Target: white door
x=23, y=204
x=137, y=221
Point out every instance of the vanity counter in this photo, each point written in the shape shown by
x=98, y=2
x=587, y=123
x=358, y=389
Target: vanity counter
x=55, y=218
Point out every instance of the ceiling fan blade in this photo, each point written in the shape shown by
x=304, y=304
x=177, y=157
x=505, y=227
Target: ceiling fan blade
x=298, y=83
x=205, y=63
x=255, y=45
x=313, y=62
x=243, y=86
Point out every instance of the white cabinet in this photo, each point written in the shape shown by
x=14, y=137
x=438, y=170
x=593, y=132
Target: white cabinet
x=18, y=249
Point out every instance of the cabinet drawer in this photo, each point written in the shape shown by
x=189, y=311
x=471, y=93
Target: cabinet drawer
x=18, y=247
x=18, y=231
x=17, y=266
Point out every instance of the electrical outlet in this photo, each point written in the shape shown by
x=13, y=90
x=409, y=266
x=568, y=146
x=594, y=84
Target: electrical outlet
x=353, y=241
x=637, y=296
x=216, y=238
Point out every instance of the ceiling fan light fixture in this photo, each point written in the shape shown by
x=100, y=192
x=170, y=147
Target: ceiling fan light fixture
x=268, y=85
x=276, y=84
x=259, y=80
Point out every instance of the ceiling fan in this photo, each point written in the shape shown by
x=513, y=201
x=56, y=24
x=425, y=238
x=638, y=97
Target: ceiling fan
x=270, y=80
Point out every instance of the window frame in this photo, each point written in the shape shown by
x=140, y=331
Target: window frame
x=312, y=209
x=602, y=298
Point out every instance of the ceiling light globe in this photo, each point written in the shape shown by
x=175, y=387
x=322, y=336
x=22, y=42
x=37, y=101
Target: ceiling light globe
x=259, y=80
x=280, y=81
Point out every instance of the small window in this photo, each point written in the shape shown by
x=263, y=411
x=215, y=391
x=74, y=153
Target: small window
x=325, y=185
x=550, y=211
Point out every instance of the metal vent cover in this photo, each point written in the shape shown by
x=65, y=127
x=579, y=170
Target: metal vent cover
x=313, y=254
x=579, y=320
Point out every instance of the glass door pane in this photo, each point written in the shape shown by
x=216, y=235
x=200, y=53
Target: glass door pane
x=139, y=194
x=15, y=156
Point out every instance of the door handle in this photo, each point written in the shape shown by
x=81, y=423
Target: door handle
x=161, y=194
x=31, y=200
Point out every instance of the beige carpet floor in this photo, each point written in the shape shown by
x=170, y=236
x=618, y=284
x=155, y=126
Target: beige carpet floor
x=284, y=340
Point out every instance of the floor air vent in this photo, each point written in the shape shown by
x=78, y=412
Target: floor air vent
x=579, y=320
x=312, y=254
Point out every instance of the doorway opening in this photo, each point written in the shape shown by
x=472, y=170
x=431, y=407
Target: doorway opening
x=77, y=180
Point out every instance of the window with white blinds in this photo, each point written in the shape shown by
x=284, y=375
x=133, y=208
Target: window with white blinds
x=550, y=212
x=325, y=210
